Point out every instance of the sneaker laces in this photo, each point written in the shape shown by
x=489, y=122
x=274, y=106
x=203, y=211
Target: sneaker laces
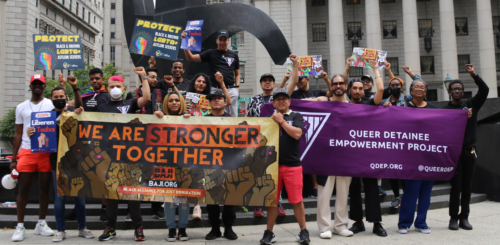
x=107, y=230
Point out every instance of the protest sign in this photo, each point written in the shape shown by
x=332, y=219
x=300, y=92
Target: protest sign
x=155, y=39
x=193, y=36
x=57, y=52
x=210, y=160
x=361, y=57
x=343, y=139
x=200, y=106
x=308, y=65
x=45, y=137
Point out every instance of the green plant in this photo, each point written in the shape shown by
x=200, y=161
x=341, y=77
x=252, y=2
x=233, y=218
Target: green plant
x=8, y=125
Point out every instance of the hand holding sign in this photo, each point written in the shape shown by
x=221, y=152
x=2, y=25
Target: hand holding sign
x=183, y=35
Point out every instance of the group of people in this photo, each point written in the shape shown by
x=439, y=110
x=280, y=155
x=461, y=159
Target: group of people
x=161, y=97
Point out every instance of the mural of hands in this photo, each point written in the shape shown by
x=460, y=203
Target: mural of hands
x=69, y=130
x=112, y=186
x=69, y=168
x=95, y=167
x=239, y=182
x=262, y=158
x=264, y=185
x=41, y=140
x=136, y=121
x=76, y=185
x=183, y=178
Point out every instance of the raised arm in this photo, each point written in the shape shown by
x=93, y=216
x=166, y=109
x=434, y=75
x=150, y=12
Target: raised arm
x=169, y=80
x=410, y=73
x=285, y=79
x=73, y=81
x=324, y=75
x=347, y=68
x=388, y=70
x=379, y=82
x=220, y=79
x=483, y=90
x=146, y=92
x=190, y=56
x=295, y=74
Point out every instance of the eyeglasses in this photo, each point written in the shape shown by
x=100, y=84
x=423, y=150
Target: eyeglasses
x=456, y=90
x=338, y=84
x=152, y=77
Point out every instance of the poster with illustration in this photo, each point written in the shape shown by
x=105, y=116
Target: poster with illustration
x=155, y=39
x=308, y=65
x=200, y=106
x=45, y=138
x=361, y=57
x=55, y=52
x=193, y=36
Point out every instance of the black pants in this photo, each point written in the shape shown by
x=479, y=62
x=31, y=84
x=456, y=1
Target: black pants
x=395, y=186
x=461, y=183
x=134, y=211
x=372, y=200
x=228, y=215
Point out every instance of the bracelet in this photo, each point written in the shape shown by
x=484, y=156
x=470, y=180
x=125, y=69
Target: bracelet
x=76, y=89
x=378, y=76
x=282, y=121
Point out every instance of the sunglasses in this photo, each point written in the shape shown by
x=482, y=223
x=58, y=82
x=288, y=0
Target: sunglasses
x=338, y=84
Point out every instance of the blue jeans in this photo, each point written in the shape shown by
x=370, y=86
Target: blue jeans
x=59, y=208
x=415, y=189
x=169, y=208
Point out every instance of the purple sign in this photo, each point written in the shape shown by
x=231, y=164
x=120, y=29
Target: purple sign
x=342, y=139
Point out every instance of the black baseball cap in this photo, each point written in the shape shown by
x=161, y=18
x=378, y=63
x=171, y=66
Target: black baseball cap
x=368, y=77
x=217, y=92
x=222, y=33
x=267, y=75
x=281, y=91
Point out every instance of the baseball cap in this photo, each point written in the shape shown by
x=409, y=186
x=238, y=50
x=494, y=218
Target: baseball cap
x=223, y=33
x=267, y=75
x=281, y=91
x=367, y=76
x=37, y=77
x=217, y=92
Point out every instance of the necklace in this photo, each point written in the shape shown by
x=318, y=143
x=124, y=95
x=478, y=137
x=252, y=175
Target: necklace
x=39, y=109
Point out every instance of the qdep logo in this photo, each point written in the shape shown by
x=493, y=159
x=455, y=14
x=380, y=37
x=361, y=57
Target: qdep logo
x=65, y=64
x=158, y=52
x=420, y=168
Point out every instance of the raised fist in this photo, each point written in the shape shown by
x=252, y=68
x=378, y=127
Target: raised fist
x=264, y=185
x=69, y=129
x=239, y=182
x=324, y=75
x=169, y=80
x=183, y=177
x=73, y=81
x=294, y=58
x=76, y=185
x=112, y=187
x=287, y=76
x=387, y=65
x=469, y=68
x=140, y=71
x=219, y=77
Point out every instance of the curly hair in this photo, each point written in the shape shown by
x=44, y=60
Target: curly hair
x=207, y=80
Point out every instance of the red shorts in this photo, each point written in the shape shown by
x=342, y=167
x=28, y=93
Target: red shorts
x=292, y=178
x=32, y=162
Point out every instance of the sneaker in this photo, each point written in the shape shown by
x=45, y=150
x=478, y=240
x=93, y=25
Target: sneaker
x=172, y=236
x=303, y=237
x=197, y=212
x=403, y=230
x=159, y=214
x=19, y=234
x=71, y=215
x=43, y=229
x=425, y=229
x=86, y=233
x=107, y=235
x=258, y=212
x=268, y=238
x=213, y=234
x=344, y=232
x=380, y=191
x=103, y=215
x=315, y=193
x=396, y=203
x=182, y=236
x=59, y=236
x=128, y=219
x=281, y=211
x=139, y=234
x=326, y=235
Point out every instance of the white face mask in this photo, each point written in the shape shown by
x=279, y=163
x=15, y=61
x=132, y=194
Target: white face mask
x=115, y=93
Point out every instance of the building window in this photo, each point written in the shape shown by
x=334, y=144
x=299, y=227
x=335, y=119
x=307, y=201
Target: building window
x=83, y=13
x=394, y=65
x=467, y=95
x=356, y=72
x=63, y=2
x=495, y=24
x=353, y=1
x=36, y=3
x=424, y=27
x=427, y=64
x=390, y=29
x=461, y=27
x=94, y=19
x=112, y=35
x=497, y=59
x=319, y=32
x=77, y=8
x=70, y=3
x=36, y=26
x=241, y=38
x=353, y=29
x=462, y=61
x=432, y=95
x=113, y=5
x=318, y=2
x=112, y=21
x=47, y=11
x=112, y=55
x=242, y=73
x=324, y=63
x=388, y=1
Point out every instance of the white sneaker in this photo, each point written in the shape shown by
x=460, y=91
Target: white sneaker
x=197, y=212
x=43, y=229
x=326, y=235
x=59, y=236
x=425, y=230
x=403, y=230
x=344, y=232
x=19, y=234
x=86, y=233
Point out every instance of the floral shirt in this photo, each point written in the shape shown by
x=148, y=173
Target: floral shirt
x=253, y=108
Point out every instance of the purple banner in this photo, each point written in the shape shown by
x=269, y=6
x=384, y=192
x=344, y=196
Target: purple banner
x=342, y=139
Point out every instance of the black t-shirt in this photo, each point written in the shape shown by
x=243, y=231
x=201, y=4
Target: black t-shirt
x=223, y=115
x=92, y=102
x=150, y=106
x=119, y=106
x=182, y=86
x=224, y=62
x=365, y=101
x=429, y=105
x=289, y=151
x=53, y=155
x=309, y=94
x=369, y=95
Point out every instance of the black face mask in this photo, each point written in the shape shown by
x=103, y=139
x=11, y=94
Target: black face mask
x=59, y=103
x=395, y=91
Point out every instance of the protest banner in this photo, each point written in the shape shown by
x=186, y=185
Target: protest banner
x=308, y=65
x=155, y=39
x=57, y=52
x=193, y=36
x=210, y=160
x=343, y=139
x=45, y=137
x=200, y=106
x=361, y=57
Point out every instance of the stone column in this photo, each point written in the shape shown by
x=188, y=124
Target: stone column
x=486, y=46
x=336, y=36
x=262, y=59
x=411, y=39
x=448, y=43
x=373, y=30
x=299, y=27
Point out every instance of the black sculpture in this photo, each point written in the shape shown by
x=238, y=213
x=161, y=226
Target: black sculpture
x=232, y=17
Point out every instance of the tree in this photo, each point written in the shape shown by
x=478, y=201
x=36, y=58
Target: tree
x=8, y=125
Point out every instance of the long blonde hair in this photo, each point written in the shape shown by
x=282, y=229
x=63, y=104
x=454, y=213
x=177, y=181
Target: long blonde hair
x=165, y=103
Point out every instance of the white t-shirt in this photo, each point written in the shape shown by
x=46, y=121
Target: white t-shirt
x=23, y=116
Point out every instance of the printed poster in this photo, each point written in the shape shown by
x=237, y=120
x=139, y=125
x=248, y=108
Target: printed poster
x=45, y=137
x=193, y=36
x=155, y=39
x=54, y=52
x=308, y=65
x=361, y=57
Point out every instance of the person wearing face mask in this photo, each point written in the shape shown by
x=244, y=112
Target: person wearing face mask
x=118, y=105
